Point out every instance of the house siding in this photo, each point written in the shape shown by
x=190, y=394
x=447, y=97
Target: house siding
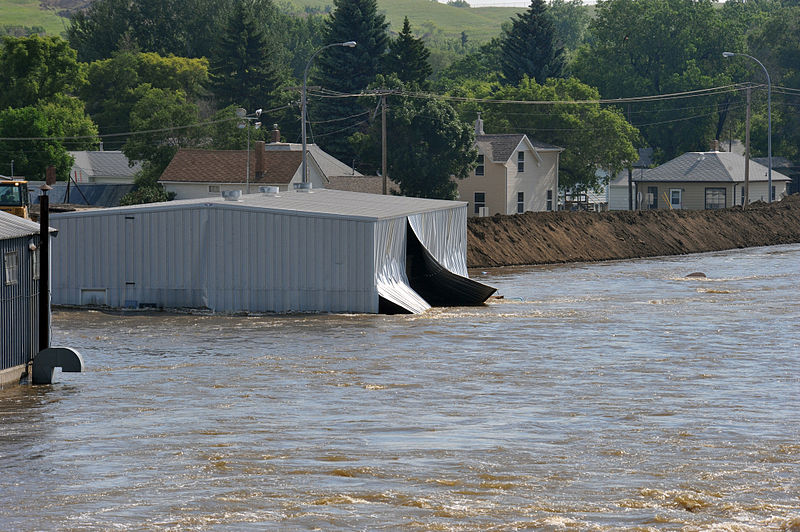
x=501, y=182
x=693, y=195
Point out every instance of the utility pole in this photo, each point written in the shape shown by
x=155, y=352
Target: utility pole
x=747, y=153
x=630, y=172
x=383, y=145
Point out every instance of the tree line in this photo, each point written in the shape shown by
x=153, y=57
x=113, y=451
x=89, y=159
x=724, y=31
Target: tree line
x=175, y=71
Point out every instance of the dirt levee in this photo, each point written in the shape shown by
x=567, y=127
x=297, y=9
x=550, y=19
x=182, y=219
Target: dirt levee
x=550, y=237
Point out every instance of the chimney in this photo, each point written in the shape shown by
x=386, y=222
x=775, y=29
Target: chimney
x=275, y=134
x=260, y=155
x=479, y=126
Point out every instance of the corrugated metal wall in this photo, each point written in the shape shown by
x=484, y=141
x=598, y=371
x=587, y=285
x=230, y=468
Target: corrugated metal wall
x=19, y=304
x=228, y=259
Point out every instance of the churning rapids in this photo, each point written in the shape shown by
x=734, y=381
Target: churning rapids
x=593, y=396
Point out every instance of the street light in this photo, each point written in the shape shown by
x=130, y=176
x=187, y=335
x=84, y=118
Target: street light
x=242, y=113
x=348, y=44
x=769, y=121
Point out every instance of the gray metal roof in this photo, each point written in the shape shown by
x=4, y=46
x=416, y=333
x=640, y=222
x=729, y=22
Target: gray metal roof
x=319, y=202
x=499, y=148
x=707, y=167
x=12, y=226
x=104, y=163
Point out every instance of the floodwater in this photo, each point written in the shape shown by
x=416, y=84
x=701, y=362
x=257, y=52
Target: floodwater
x=592, y=397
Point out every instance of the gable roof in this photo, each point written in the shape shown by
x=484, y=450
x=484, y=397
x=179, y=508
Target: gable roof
x=104, y=163
x=230, y=166
x=707, y=167
x=12, y=226
x=499, y=148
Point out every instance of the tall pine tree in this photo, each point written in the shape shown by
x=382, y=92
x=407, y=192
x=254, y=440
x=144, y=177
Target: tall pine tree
x=408, y=58
x=241, y=69
x=348, y=71
x=530, y=47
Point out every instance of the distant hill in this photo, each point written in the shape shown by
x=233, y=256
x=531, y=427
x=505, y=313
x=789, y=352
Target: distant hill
x=428, y=18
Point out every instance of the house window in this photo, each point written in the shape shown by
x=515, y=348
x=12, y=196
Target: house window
x=520, y=161
x=11, y=267
x=652, y=198
x=35, y=264
x=675, y=198
x=550, y=200
x=480, y=168
x=520, y=202
x=214, y=189
x=480, y=201
x=716, y=198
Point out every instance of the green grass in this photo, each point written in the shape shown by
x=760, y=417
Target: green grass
x=480, y=24
x=29, y=13
x=426, y=16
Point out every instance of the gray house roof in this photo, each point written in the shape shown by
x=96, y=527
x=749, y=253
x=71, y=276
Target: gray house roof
x=500, y=147
x=12, y=226
x=104, y=164
x=707, y=167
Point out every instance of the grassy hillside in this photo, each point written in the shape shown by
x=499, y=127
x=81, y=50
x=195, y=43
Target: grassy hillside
x=480, y=24
x=29, y=13
x=426, y=17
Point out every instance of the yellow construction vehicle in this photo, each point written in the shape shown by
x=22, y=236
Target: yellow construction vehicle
x=14, y=196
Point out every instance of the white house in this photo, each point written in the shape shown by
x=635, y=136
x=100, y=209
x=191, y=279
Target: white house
x=514, y=174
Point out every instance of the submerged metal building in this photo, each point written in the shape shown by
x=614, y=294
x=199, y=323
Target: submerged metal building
x=19, y=295
x=295, y=251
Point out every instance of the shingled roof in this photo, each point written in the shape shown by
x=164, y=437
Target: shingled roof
x=104, y=163
x=499, y=148
x=230, y=166
x=709, y=167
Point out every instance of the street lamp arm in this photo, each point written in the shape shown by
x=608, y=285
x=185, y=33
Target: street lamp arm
x=769, y=120
x=304, y=99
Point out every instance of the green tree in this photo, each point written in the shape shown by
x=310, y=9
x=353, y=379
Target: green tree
x=182, y=27
x=241, y=65
x=592, y=136
x=480, y=65
x=347, y=71
x=650, y=47
x=776, y=43
x=530, y=47
x=114, y=86
x=408, y=58
x=431, y=147
x=42, y=130
x=37, y=68
x=164, y=120
x=570, y=21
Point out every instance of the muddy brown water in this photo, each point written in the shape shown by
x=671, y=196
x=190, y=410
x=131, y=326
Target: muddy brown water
x=592, y=397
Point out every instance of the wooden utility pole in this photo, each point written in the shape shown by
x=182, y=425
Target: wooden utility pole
x=383, y=145
x=747, y=153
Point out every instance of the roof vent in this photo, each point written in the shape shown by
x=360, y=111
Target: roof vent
x=232, y=195
x=269, y=191
x=302, y=187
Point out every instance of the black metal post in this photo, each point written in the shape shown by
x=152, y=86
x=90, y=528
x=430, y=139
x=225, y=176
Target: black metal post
x=44, y=269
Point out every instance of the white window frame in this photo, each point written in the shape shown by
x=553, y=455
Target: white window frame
x=550, y=199
x=11, y=267
x=213, y=189
x=520, y=202
x=481, y=168
x=520, y=162
x=672, y=196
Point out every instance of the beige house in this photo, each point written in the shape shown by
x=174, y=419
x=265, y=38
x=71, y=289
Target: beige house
x=514, y=174
x=704, y=180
